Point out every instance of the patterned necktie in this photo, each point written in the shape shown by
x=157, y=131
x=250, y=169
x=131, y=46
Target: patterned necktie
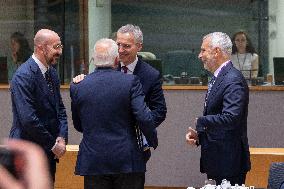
x=49, y=81
x=124, y=68
x=210, y=85
x=141, y=139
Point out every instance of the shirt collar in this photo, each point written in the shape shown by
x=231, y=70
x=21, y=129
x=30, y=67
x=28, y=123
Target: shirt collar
x=42, y=67
x=131, y=66
x=219, y=69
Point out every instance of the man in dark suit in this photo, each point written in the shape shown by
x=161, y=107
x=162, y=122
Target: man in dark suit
x=106, y=106
x=222, y=130
x=38, y=111
x=130, y=41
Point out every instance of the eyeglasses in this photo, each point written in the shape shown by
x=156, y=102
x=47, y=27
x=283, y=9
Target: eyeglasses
x=58, y=46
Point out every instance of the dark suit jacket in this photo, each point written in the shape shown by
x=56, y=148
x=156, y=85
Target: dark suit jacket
x=105, y=107
x=222, y=129
x=38, y=116
x=151, y=81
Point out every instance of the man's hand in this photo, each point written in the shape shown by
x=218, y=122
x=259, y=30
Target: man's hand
x=59, y=148
x=78, y=78
x=191, y=136
x=34, y=173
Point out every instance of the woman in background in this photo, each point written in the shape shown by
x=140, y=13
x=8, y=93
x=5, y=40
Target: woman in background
x=21, y=52
x=244, y=56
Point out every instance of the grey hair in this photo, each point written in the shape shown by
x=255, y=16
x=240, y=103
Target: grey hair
x=221, y=40
x=129, y=28
x=107, y=54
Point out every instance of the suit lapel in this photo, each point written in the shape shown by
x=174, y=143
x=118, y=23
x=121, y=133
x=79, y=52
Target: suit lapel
x=42, y=83
x=218, y=82
x=137, y=68
x=54, y=97
x=39, y=77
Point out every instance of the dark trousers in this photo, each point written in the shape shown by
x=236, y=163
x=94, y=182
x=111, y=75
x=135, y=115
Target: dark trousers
x=239, y=179
x=115, y=181
x=52, y=168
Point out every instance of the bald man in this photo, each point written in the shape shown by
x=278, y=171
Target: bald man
x=39, y=115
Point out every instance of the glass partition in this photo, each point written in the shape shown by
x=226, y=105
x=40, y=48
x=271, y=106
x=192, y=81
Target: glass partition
x=172, y=31
x=22, y=19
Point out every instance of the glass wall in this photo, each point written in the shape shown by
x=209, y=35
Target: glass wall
x=172, y=30
x=20, y=20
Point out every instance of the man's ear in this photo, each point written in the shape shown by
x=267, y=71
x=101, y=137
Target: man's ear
x=116, y=61
x=139, y=46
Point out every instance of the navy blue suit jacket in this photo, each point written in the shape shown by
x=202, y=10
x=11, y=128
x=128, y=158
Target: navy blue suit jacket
x=222, y=129
x=151, y=81
x=106, y=106
x=38, y=116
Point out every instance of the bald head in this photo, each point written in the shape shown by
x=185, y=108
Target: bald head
x=105, y=52
x=43, y=36
x=47, y=47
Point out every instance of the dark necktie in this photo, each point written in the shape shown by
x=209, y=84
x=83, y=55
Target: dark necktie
x=49, y=81
x=143, y=144
x=210, y=85
x=124, y=68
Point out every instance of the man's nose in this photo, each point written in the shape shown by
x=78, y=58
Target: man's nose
x=120, y=48
x=199, y=56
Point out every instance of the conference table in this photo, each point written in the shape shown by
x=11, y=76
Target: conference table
x=261, y=158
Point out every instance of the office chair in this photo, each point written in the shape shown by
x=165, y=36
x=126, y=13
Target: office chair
x=276, y=175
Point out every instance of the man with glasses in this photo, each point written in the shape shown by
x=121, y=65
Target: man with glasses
x=39, y=115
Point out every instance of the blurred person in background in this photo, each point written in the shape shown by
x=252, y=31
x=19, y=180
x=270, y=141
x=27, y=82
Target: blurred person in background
x=244, y=56
x=21, y=52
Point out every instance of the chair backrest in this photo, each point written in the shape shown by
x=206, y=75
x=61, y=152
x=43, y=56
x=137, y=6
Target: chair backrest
x=276, y=175
x=179, y=61
x=278, y=70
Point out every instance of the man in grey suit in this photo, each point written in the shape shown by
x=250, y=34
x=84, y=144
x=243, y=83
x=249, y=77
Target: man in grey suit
x=106, y=107
x=222, y=130
x=39, y=115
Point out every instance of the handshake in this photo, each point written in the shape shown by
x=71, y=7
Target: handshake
x=59, y=148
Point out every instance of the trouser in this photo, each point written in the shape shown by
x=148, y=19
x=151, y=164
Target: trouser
x=115, y=181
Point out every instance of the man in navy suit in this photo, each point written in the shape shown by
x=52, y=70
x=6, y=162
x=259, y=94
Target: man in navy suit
x=39, y=115
x=106, y=106
x=130, y=42
x=222, y=130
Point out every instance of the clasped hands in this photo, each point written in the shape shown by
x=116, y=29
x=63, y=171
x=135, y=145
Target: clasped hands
x=59, y=148
x=191, y=136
